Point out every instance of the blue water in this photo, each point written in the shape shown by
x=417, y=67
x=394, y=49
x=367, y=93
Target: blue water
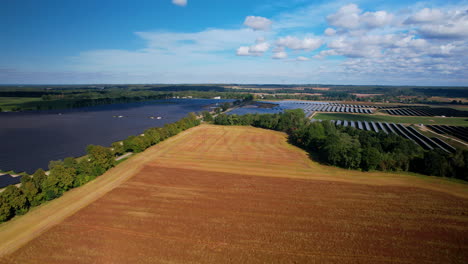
x=29, y=140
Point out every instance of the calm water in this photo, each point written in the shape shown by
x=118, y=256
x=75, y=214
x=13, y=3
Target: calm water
x=29, y=140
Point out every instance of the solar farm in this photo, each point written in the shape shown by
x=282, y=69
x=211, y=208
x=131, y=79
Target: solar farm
x=311, y=107
x=409, y=132
x=405, y=131
x=455, y=131
x=427, y=111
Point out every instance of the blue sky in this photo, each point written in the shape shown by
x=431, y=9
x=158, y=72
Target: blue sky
x=221, y=41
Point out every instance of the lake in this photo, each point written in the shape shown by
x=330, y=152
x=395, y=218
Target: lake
x=29, y=140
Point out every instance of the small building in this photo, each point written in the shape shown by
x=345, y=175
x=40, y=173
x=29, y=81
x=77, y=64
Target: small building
x=217, y=97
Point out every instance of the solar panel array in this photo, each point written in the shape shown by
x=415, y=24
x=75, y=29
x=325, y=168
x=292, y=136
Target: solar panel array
x=456, y=131
x=7, y=179
x=399, y=129
x=311, y=107
x=426, y=111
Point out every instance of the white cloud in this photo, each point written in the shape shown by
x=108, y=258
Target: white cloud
x=376, y=19
x=346, y=17
x=254, y=50
x=455, y=26
x=280, y=55
x=330, y=32
x=179, y=2
x=425, y=15
x=302, y=58
x=299, y=44
x=258, y=23
x=350, y=17
x=243, y=51
x=419, y=47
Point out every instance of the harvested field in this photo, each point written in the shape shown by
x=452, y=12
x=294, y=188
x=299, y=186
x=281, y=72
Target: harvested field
x=243, y=195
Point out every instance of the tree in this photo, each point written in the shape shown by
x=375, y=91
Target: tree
x=16, y=199
x=436, y=163
x=101, y=159
x=30, y=190
x=118, y=148
x=371, y=158
x=207, y=117
x=342, y=150
x=38, y=178
x=225, y=106
x=70, y=162
x=64, y=176
x=291, y=120
x=25, y=178
x=54, y=163
x=50, y=187
x=6, y=211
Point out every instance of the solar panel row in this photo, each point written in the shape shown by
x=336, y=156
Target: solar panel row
x=399, y=129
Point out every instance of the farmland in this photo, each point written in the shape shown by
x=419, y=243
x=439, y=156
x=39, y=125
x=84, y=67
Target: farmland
x=241, y=194
x=427, y=120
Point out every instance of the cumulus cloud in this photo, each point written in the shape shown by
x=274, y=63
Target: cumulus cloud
x=299, y=44
x=453, y=25
x=351, y=17
x=302, y=58
x=280, y=55
x=179, y=2
x=346, y=17
x=376, y=19
x=420, y=45
x=258, y=23
x=330, y=32
x=255, y=50
x=425, y=15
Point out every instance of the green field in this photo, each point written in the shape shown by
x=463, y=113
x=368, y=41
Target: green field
x=7, y=103
x=427, y=120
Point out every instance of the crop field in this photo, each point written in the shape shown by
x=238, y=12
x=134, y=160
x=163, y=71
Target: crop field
x=217, y=194
x=427, y=120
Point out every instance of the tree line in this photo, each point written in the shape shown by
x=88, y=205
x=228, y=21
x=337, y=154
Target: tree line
x=351, y=148
x=73, y=172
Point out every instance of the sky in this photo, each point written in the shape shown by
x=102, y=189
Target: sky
x=357, y=42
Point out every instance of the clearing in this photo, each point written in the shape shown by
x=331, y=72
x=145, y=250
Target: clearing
x=216, y=194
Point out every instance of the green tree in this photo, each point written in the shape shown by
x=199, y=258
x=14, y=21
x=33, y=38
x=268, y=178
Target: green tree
x=101, y=159
x=31, y=192
x=16, y=199
x=38, y=177
x=207, y=116
x=225, y=106
x=371, y=158
x=70, y=162
x=291, y=120
x=54, y=163
x=64, y=176
x=50, y=187
x=6, y=211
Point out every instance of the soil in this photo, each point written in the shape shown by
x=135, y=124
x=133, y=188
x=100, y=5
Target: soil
x=217, y=194
x=168, y=215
